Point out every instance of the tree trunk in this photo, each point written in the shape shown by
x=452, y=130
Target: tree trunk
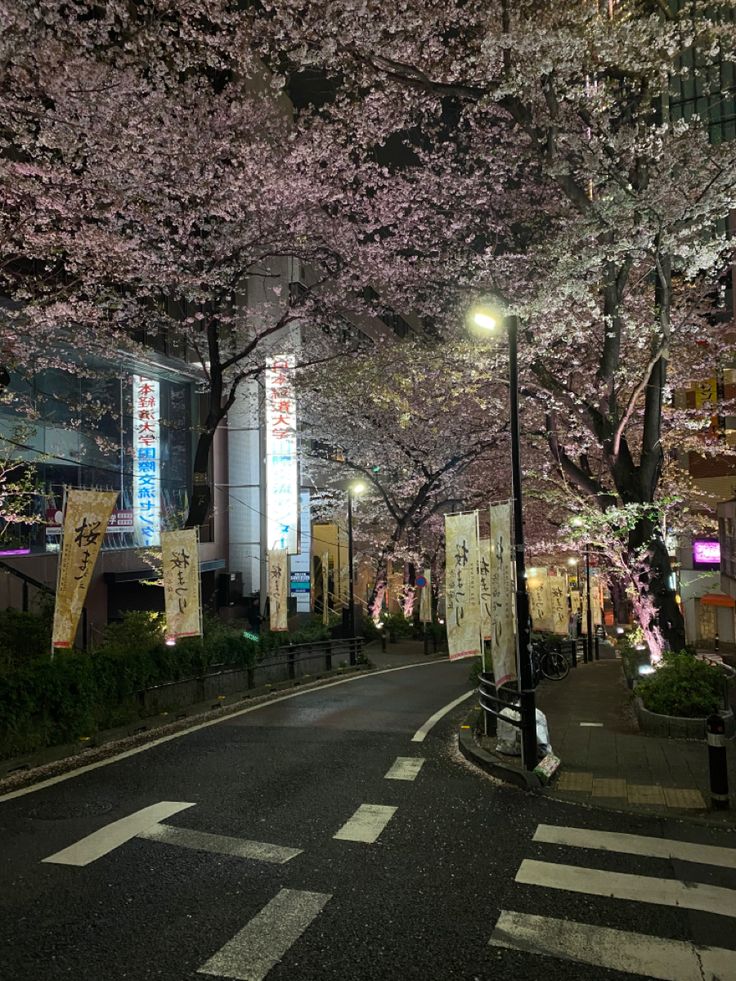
x=201, y=501
x=669, y=616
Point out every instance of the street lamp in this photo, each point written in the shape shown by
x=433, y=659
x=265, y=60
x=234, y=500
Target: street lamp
x=577, y=523
x=486, y=320
x=356, y=488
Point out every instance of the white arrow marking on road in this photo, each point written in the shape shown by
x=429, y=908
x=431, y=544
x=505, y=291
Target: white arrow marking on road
x=405, y=768
x=618, y=950
x=264, y=940
x=622, y=885
x=613, y=841
x=201, y=841
x=366, y=824
x=421, y=733
x=113, y=835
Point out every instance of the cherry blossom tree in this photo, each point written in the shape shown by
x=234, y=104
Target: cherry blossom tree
x=591, y=203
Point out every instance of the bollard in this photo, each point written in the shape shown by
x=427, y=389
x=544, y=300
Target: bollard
x=717, y=762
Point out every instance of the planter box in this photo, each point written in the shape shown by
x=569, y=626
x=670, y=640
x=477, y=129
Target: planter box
x=676, y=727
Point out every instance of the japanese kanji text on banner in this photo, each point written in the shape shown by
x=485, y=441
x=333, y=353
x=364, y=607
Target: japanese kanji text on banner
x=85, y=520
x=147, y=461
x=486, y=600
x=503, y=631
x=425, y=599
x=282, y=465
x=278, y=588
x=180, y=560
x=462, y=590
x=326, y=589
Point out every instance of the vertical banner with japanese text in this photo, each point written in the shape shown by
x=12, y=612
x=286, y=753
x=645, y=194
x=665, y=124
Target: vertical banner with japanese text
x=462, y=590
x=540, y=604
x=180, y=561
x=278, y=588
x=86, y=516
x=282, y=464
x=486, y=600
x=325, y=589
x=425, y=598
x=503, y=616
x=558, y=600
x=146, y=461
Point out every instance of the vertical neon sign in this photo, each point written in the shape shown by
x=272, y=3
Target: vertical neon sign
x=146, y=461
x=282, y=473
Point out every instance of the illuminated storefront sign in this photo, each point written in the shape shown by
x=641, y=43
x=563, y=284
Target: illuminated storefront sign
x=706, y=552
x=282, y=473
x=146, y=461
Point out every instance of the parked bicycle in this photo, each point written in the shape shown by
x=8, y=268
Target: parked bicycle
x=551, y=664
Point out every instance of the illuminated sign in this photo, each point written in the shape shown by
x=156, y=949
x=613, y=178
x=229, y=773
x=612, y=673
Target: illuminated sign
x=146, y=461
x=706, y=552
x=282, y=472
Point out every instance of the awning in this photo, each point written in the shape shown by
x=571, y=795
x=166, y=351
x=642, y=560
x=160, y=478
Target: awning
x=717, y=599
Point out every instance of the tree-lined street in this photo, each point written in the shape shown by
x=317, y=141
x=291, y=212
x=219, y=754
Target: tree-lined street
x=375, y=869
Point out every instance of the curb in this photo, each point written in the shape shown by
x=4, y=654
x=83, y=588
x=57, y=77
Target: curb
x=491, y=764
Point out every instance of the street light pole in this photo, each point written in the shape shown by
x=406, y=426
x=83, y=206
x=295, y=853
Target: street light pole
x=588, y=612
x=524, y=647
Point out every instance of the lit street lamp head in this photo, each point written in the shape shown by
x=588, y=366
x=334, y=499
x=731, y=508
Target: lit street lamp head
x=357, y=488
x=483, y=318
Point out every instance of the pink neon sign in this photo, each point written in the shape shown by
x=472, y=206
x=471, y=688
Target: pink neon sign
x=706, y=552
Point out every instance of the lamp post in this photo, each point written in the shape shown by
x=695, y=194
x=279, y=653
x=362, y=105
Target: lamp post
x=485, y=320
x=577, y=522
x=356, y=488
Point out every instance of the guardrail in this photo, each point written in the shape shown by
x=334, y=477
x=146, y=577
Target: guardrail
x=288, y=663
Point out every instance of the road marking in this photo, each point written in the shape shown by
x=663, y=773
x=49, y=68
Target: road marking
x=60, y=778
x=264, y=940
x=421, y=733
x=592, y=725
x=618, y=950
x=366, y=824
x=201, y=841
x=405, y=768
x=613, y=841
x=622, y=885
x=113, y=835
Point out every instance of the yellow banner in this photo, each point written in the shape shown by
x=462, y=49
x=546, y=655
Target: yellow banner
x=462, y=592
x=326, y=589
x=558, y=600
x=540, y=601
x=425, y=598
x=85, y=523
x=278, y=588
x=486, y=600
x=706, y=391
x=503, y=616
x=180, y=562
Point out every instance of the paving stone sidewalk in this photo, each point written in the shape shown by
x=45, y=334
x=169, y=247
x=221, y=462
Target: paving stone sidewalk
x=607, y=760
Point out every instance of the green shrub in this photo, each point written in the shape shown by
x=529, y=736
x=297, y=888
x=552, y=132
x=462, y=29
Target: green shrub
x=683, y=686
x=397, y=627
x=24, y=637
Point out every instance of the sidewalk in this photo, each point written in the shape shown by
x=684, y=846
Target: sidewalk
x=608, y=762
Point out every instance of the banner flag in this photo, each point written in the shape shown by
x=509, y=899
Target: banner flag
x=425, y=598
x=462, y=587
x=540, y=600
x=326, y=589
x=180, y=561
x=278, y=588
x=86, y=517
x=486, y=600
x=503, y=628
x=558, y=600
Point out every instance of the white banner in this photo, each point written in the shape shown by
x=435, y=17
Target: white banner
x=540, y=601
x=278, y=588
x=425, y=598
x=180, y=562
x=486, y=599
x=558, y=600
x=503, y=632
x=86, y=516
x=462, y=590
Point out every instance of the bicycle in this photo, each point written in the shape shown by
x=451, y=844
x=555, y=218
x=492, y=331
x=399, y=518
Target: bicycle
x=550, y=664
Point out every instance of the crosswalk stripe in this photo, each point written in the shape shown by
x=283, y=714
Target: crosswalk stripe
x=264, y=940
x=619, y=950
x=621, y=885
x=219, y=844
x=113, y=835
x=404, y=768
x=367, y=823
x=614, y=841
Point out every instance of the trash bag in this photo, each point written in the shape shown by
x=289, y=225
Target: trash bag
x=509, y=736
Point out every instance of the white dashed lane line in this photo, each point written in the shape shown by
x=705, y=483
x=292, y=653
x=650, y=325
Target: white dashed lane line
x=366, y=824
x=405, y=768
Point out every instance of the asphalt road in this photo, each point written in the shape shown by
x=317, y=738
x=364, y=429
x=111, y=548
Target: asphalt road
x=250, y=880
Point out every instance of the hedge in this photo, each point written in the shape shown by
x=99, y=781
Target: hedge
x=683, y=686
